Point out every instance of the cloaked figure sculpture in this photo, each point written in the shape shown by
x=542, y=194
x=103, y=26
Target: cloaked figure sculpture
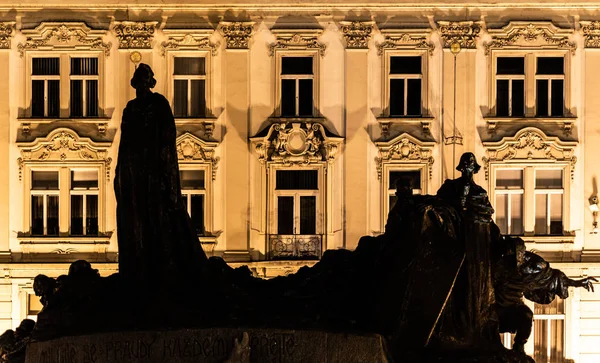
x=157, y=242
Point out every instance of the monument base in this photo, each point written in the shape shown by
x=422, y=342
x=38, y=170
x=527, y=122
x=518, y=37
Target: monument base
x=209, y=345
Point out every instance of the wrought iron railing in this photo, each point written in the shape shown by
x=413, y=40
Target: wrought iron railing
x=295, y=246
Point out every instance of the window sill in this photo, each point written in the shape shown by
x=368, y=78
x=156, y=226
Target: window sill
x=101, y=122
x=64, y=244
x=565, y=122
x=423, y=121
x=207, y=123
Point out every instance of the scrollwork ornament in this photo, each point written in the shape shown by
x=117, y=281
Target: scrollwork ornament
x=297, y=41
x=236, y=34
x=188, y=41
x=135, y=35
x=6, y=31
x=463, y=33
x=591, y=33
x=62, y=35
x=530, y=33
x=357, y=34
x=404, y=41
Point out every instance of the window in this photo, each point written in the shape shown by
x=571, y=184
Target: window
x=549, y=331
x=193, y=189
x=297, y=86
x=65, y=77
x=296, y=193
x=529, y=199
x=189, y=86
x=405, y=86
x=84, y=202
x=530, y=85
x=78, y=201
x=414, y=176
x=34, y=306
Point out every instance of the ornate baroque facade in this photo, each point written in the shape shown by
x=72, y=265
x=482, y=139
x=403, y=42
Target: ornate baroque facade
x=294, y=122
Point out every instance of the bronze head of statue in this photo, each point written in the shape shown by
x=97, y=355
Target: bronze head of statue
x=143, y=77
x=468, y=164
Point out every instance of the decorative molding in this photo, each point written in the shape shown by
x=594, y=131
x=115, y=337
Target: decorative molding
x=528, y=34
x=237, y=34
x=530, y=144
x=6, y=31
x=357, y=33
x=591, y=33
x=135, y=34
x=404, y=149
x=64, y=145
x=193, y=149
x=292, y=39
x=405, y=39
x=296, y=143
x=463, y=33
x=188, y=39
x=72, y=35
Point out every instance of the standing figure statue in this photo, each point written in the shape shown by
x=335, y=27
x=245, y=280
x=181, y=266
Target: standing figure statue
x=157, y=242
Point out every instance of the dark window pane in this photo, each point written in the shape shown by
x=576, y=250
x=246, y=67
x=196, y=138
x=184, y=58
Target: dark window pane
x=53, y=98
x=541, y=101
x=37, y=98
x=84, y=66
x=191, y=179
x=52, y=215
x=518, y=97
x=501, y=211
x=393, y=200
x=285, y=215
x=288, y=97
x=189, y=66
x=297, y=180
x=396, y=97
x=414, y=176
x=45, y=66
x=297, y=65
x=91, y=215
x=37, y=215
x=84, y=179
x=180, y=98
x=550, y=65
x=305, y=102
x=405, y=65
x=502, y=97
x=91, y=97
x=198, y=100
x=557, y=94
x=510, y=65
x=44, y=180
x=76, y=98
x=308, y=215
x=413, y=97
x=197, y=213
x=76, y=214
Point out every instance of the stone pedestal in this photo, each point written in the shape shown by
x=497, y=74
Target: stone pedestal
x=209, y=345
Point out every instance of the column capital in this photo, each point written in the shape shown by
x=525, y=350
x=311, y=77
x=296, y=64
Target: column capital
x=357, y=33
x=237, y=34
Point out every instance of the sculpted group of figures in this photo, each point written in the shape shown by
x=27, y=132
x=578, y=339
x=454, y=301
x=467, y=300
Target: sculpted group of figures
x=440, y=284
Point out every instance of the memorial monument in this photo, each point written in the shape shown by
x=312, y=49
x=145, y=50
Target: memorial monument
x=439, y=285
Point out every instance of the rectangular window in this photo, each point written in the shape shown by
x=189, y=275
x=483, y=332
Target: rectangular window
x=509, y=201
x=84, y=87
x=45, y=87
x=44, y=203
x=189, y=86
x=550, y=84
x=297, y=180
x=549, y=202
x=398, y=176
x=84, y=202
x=193, y=189
x=297, y=85
x=549, y=331
x=510, y=86
x=405, y=86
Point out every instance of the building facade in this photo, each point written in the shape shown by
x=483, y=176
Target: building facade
x=294, y=122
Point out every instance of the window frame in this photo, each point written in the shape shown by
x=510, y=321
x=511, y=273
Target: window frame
x=85, y=193
x=529, y=191
x=207, y=77
x=279, y=54
x=530, y=56
x=386, y=78
x=207, y=192
x=422, y=168
x=64, y=82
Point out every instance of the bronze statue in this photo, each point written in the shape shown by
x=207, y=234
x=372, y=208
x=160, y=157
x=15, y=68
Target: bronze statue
x=157, y=242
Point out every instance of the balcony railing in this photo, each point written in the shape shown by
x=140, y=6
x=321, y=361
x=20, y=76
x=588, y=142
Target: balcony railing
x=295, y=246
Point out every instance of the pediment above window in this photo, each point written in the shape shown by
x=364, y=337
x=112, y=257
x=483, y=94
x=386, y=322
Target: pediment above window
x=188, y=39
x=63, y=36
x=405, y=39
x=522, y=34
x=64, y=145
x=297, y=39
x=404, y=148
x=296, y=143
x=191, y=148
x=530, y=144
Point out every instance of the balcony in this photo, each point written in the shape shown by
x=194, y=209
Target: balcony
x=295, y=247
